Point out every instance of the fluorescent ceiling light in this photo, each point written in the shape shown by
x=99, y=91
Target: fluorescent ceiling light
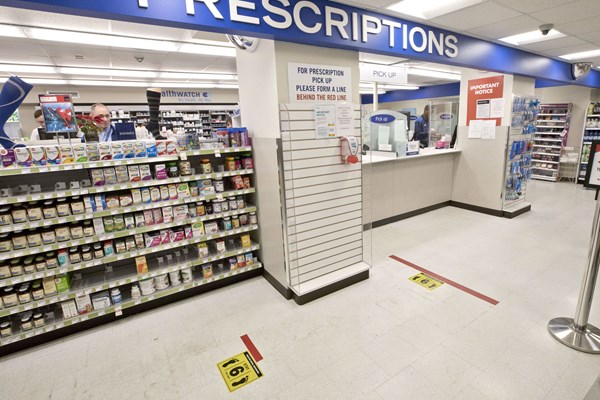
x=84, y=82
x=427, y=9
x=12, y=31
x=107, y=72
x=365, y=91
x=431, y=73
x=532, y=37
x=46, y=81
x=192, y=48
x=399, y=87
x=583, y=54
x=192, y=75
x=32, y=69
x=183, y=85
x=227, y=86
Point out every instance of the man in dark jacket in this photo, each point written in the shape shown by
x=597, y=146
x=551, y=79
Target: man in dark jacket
x=101, y=114
x=422, y=128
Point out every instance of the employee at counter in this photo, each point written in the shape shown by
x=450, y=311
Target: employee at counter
x=101, y=116
x=422, y=128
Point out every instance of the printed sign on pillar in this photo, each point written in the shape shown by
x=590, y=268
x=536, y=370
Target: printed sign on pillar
x=483, y=99
x=310, y=84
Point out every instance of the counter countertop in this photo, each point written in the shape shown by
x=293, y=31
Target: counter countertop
x=376, y=158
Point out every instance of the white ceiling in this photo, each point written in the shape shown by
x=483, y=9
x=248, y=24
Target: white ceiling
x=490, y=20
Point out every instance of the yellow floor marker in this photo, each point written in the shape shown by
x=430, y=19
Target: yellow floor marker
x=239, y=371
x=426, y=281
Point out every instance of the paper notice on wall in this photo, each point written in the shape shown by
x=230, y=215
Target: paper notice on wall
x=475, y=127
x=483, y=109
x=325, y=121
x=344, y=119
x=497, y=108
x=488, y=129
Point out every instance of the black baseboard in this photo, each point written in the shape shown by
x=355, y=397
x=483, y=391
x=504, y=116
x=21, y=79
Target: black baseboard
x=516, y=213
x=409, y=214
x=317, y=294
x=284, y=291
x=108, y=318
x=483, y=210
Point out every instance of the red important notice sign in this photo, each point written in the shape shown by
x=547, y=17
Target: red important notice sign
x=481, y=94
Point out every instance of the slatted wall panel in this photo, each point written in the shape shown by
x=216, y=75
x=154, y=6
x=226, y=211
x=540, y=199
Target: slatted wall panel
x=323, y=200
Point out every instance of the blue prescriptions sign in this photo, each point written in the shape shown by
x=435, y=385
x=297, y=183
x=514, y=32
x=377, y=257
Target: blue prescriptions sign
x=320, y=23
x=382, y=119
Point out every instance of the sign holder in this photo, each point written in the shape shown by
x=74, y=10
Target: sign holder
x=576, y=332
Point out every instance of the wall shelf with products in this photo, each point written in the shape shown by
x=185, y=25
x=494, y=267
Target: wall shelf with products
x=552, y=129
x=87, y=239
x=591, y=131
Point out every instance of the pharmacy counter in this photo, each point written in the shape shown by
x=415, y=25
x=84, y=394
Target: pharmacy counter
x=396, y=188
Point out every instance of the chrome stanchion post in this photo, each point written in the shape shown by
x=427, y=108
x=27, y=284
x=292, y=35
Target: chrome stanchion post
x=577, y=333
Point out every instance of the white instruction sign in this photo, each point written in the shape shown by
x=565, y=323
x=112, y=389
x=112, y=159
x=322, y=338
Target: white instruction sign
x=309, y=83
x=332, y=120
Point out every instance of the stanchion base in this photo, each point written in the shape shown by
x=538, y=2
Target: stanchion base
x=564, y=331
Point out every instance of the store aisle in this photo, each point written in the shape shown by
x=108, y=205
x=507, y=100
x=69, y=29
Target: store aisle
x=384, y=338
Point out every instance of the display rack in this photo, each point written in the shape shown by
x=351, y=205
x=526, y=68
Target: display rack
x=591, y=131
x=519, y=151
x=552, y=129
x=200, y=230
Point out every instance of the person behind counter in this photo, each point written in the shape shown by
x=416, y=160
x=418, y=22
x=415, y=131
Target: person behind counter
x=39, y=118
x=101, y=116
x=422, y=128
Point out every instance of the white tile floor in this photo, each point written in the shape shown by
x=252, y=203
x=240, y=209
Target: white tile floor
x=384, y=338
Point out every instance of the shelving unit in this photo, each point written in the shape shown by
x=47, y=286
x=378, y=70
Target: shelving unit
x=188, y=256
x=591, y=132
x=552, y=129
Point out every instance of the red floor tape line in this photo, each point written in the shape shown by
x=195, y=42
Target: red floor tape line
x=252, y=348
x=446, y=280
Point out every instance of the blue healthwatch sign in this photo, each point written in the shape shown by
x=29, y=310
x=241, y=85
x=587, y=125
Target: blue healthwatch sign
x=321, y=23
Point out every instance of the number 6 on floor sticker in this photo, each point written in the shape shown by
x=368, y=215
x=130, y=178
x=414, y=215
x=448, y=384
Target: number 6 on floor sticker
x=238, y=371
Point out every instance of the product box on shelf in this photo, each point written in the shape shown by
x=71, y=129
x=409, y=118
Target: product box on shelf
x=139, y=149
x=66, y=154
x=38, y=155
x=69, y=309
x=121, y=173
x=84, y=303
x=117, y=150
x=92, y=151
x=110, y=176
x=141, y=265
x=134, y=173
x=105, y=151
x=52, y=154
x=101, y=300
x=145, y=172
x=151, y=149
x=49, y=286
x=63, y=283
x=23, y=156
x=9, y=159
x=128, y=150
x=80, y=153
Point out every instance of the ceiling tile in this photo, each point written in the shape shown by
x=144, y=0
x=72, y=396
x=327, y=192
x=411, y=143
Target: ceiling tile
x=26, y=48
x=475, y=16
x=577, y=11
x=146, y=31
x=379, y=59
x=571, y=49
x=554, y=44
x=532, y=5
x=87, y=62
x=129, y=56
x=19, y=16
x=69, y=51
x=505, y=28
x=593, y=37
x=579, y=27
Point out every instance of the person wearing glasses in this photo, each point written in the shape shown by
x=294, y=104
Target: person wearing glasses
x=39, y=118
x=101, y=116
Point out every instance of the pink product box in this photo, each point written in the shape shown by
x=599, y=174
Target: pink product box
x=152, y=239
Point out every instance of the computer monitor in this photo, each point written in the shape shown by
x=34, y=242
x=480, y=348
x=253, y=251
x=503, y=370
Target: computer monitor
x=53, y=135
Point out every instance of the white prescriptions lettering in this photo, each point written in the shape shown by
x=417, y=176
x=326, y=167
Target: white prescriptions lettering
x=235, y=16
x=210, y=4
x=287, y=17
x=366, y=28
x=143, y=3
x=434, y=42
x=411, y=38
x=451, y=44
x=405, y=37
x=339, y=24
x=355, y=27
x=298, y=8
x=392, y=26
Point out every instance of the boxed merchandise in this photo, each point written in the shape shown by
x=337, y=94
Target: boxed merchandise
x=157, y=215
x=188, y=232
x=167, y=213
x=116, y=150
x=160, y=171
x=180, y=212
x=207, y=271
x=141, y=264
x=79, y=153
x=171, y=148
x=246, y=242
x=202, y=250
x=110, y=176
x=66, y=154
x=165, y=236
x=146, y=199
x=100, y=200
x=109, y=224
x=49, y=286
x=67, y=309
x=120, y=247
x=148, y=218
x=249, y=259
x=183, y=190
x=211, y=228
x=152, y=239
x=134, y=173
x=112, y=201
x=241, y=261
x=177, y=234
x=97, y=177
x=108, y=248
x=38, y=155
x=139, y=241
x=23, y=156
x=173, y=191
x=101, y=300
x=161, y=148
x=52, y=154
x=121, y=174
x=220, y=246
x=99, y=226
x=164, y=193
x=125, y=200
x=130, y=243
x=151, y=149
x=128, y=150
x=92, y=151
x=129, y=221
x=154, y=194
x=136, y=196
x=139, y=220
x=63, y=283
x=145, y=172
x=139, y=149
x=89, y=204
x=8, y=158
x=84, y=303
x=105, y=151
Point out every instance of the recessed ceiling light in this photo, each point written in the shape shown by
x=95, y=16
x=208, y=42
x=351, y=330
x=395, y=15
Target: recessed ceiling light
x=191, y=75
x=107, y=72
x=583, y=54
x=532, y=37
x=365, y=91
x=431, y=73
x=32, y=69
x=428, y=9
